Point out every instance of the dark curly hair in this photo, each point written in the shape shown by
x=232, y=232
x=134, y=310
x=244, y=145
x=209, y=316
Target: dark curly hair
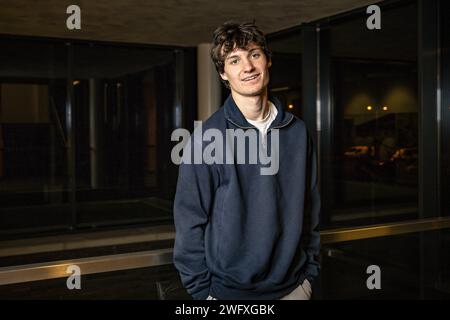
x=233, y=35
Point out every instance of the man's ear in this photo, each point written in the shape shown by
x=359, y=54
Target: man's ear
x=269, y=64
x=224, y=76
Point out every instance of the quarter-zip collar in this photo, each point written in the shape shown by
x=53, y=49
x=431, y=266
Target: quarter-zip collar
x=235, y=116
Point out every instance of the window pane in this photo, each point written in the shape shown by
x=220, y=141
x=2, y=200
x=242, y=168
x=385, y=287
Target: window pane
x=126, y=102
x=375, y=119
x=33, y=144
x=420, y=272
x=285, y=72
x=124, y=114
x=445, y=107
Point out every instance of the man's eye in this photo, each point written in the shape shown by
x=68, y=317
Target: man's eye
x=256, y=55
x=234, y=61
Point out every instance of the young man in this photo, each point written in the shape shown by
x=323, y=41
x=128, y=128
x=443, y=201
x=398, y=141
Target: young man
x=242, y=233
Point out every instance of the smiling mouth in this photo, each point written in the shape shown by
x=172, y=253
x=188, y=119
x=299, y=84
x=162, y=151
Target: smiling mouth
x=250, y=78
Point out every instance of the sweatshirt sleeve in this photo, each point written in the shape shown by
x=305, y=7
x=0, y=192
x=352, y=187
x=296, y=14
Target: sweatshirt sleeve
x=192, y=204
x=311, y=235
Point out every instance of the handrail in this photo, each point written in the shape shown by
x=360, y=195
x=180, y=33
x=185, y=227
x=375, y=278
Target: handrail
x=99, y=264
x=143, y=259
x=383, y=230
x=19, y=247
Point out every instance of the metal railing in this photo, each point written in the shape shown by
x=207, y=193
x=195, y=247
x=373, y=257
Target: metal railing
x=143, y=259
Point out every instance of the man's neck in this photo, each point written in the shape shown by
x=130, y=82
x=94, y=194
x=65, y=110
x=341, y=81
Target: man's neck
x=254, y=108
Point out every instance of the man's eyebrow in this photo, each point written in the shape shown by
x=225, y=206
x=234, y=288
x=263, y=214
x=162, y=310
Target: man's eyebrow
x=232, y=56
x=249, y=51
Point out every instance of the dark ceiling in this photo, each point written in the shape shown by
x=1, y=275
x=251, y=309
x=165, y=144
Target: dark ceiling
x=169, y=22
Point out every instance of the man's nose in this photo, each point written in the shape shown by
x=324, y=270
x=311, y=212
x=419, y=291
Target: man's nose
x=248, y=65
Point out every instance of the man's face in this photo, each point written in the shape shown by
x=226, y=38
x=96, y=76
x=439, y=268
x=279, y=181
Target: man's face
x=247, y=70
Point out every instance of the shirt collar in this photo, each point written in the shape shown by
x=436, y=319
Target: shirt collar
x=235, y=116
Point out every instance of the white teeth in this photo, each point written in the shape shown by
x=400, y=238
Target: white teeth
x=250, y=78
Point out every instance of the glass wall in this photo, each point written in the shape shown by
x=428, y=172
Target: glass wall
x=285, y=72
x=411, y=266
x=445, y=106
x=123, y=111
x=83, y=134
x=374, y=119
x=381, y=104
x=33, y=144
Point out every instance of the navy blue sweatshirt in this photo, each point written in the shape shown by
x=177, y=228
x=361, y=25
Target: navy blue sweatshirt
x=243, y=235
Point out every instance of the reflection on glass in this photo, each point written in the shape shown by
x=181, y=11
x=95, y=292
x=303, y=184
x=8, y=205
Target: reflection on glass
x=124, y=104
x=285, y=72
x=100, y=158
x=33, y=144
x=375, y=120
x=420, y=272
x=445, y=108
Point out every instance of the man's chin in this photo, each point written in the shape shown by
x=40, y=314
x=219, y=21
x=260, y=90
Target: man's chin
x=253, y=93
